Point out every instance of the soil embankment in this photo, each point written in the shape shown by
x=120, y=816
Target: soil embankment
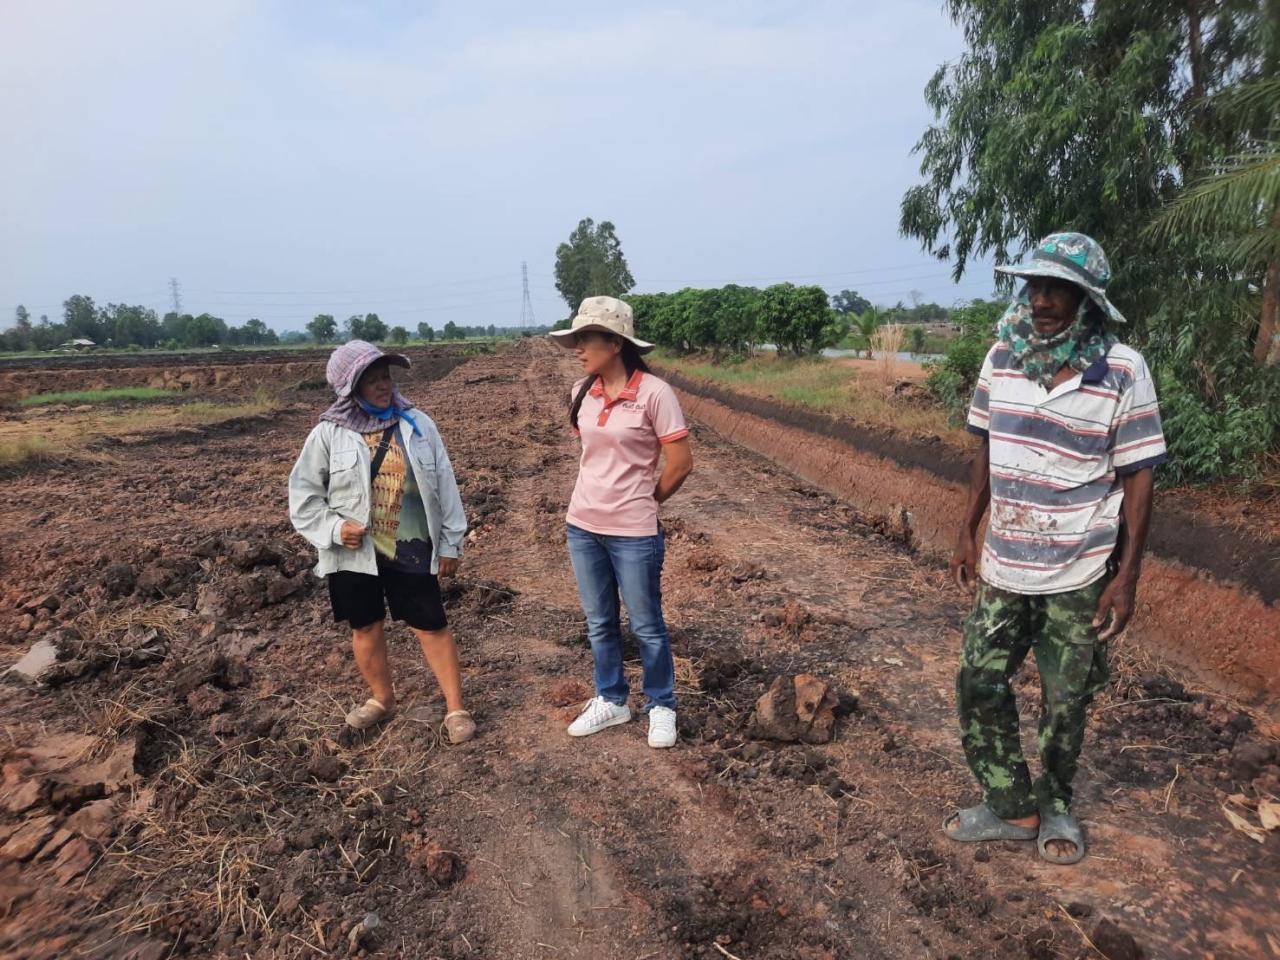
x=1208, y=602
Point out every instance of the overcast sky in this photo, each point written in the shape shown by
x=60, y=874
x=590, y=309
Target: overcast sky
x=283, y=159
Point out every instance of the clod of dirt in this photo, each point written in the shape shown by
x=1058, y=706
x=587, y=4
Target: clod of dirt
x=73, y=860
x=228, y=672
x=1158, y=687
x=281, y=588
x=29, y=838
x=791, y=619
x=94, y=821
x=246, y=555
x=24, y=796
x=704, y=560
x=796, y=708
x=443, y=867
x=207, y=700
x=745, y=570
x=119, y=579
x=1250, y=758
x=326, y=768
x=163, y=578
x=1113, y=942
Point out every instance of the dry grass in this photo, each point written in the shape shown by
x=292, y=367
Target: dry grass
x=15, y=451
x=38, y=435
x=886, y=341
x=830, y=386
x=202, y=852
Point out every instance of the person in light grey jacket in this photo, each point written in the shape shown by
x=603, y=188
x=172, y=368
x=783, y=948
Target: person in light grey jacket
x=374, y=492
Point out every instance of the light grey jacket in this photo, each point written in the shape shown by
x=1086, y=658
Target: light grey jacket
x=330, y=484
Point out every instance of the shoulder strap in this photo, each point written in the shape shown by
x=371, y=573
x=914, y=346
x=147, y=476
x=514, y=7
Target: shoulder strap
x=376, y=464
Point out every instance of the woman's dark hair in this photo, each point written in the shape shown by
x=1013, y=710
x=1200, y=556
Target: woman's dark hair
x=631, y=359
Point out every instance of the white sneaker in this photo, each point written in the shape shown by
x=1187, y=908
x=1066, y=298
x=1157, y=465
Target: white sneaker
x=598, y=714
x=662, y=727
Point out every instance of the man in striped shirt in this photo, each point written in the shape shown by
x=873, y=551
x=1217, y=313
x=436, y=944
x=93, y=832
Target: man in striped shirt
x=1070, y=434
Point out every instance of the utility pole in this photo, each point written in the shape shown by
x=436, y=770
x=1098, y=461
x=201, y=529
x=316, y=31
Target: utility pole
x=526, y=307
x=175, y=290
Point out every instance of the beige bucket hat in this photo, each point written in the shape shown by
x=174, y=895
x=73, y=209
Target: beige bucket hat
x=605, y=314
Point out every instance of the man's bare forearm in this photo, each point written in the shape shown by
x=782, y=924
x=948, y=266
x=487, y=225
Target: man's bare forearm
x=979, y=489
x=1138, y=490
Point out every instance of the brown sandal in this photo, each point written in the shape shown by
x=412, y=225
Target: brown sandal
x=459, y=726
x=368, y=714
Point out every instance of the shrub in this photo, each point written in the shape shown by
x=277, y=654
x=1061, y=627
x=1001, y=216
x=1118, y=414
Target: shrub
x=952, y=378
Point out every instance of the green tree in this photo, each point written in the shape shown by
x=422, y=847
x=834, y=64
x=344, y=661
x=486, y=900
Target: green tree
x=205, y=330
x=21, y=318
x=374, y=330
x=355, y=327
x=256, y=333
x=849, y=302
x=797, y=319
x=132, y=325
x=591, y=264
x=323, y=328
x=399, y=336
x=453, y=332
x=426, y=332
x=81, y=319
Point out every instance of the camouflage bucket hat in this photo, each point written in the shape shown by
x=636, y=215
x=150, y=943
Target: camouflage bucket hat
x=1075, y=258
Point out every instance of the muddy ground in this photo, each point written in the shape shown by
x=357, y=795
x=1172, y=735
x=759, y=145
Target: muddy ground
x=185, y=787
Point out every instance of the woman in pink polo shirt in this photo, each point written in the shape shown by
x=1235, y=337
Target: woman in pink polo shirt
x=626, y=418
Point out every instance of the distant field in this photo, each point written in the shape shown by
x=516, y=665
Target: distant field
x=831, y=386
x=75, y=398
x=32, y=439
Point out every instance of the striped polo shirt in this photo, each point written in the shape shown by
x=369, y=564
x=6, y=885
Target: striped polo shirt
x=1057, y=457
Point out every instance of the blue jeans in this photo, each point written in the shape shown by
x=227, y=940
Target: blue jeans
x=604, y=567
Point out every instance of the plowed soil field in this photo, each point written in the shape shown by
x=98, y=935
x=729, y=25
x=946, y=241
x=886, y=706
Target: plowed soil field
x=185, y=785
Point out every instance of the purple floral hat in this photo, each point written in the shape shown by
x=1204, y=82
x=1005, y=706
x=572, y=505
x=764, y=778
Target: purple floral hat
x=352, y=359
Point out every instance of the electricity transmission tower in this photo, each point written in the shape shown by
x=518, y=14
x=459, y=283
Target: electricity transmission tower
x=175, y=290
x=526, y=307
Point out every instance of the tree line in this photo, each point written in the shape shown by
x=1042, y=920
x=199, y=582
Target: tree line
x=129, y=325
x=728, y=320
x=132, y=326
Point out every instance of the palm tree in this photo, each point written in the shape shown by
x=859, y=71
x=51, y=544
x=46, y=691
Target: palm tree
x=1237, y=207
x=866, y=323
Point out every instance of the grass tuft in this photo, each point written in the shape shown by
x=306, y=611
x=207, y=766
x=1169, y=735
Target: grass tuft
x=79, y=397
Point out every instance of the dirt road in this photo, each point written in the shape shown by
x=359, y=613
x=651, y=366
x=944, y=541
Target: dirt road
x=202, y=728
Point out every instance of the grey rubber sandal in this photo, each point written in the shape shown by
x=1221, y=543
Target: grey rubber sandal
x=1060, y=826
x=978, y=824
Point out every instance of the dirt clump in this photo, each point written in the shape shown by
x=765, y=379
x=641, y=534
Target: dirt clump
x=800, y=708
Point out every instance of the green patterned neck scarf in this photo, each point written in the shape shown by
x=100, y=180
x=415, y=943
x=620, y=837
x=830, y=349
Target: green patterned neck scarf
x=1040, y=358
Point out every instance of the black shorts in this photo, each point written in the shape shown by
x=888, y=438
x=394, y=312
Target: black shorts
x=414, y=598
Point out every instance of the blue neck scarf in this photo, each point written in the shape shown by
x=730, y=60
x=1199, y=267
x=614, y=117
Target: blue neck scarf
x=388, y=415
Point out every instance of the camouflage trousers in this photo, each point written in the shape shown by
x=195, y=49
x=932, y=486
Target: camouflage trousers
x=998, y=634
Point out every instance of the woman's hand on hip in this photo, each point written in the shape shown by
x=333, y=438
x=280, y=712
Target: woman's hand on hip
x=352, y=535
x=449, y=566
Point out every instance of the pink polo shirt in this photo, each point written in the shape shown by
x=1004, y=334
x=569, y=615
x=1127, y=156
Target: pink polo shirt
x=621, y=442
